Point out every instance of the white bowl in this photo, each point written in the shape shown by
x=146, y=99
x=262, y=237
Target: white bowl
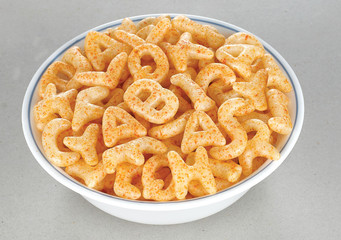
x=163, y=212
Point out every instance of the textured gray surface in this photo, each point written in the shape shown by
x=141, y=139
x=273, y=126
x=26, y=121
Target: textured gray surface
x=301, y=200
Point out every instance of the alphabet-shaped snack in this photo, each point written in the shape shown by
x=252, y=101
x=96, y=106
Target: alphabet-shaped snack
x=278, y=105
x=114, y=98
x=233, y=128
x=183, y=174
x=172, y=128
x=184, y=50
x=52, y=104
x=94, y=44
x=244, y=38
x=254, y=89
x=227, y=170
x=197, y=95
x=203, y=34
x=276, y=77
x=144, y=32
x=123, y=187
x=153, y=187
x=215, y=71
x=148, y=109
x=159, y=32
x=49, y=141
x=75, y=57
x=119, y=124
x=160, y=58
x=258, y=146
x=52, y=75
x=85, y=144
x=239, y=57
x=132, y=152
x=208, y=136
x=91, y=175
x=110, y=78
x=85, y=109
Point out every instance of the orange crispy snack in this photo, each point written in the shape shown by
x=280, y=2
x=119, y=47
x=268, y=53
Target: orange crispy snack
x=183, y=174
x=276, y=77
x=52, y=104
x=52, y=75
x=75, y=57
x=131, y=152
x=110, y=78
x=85, y=144
x=49, y=142
x=85, y=109
x=139, y=72
x=123, y=186
x=203, y=34
x=94, y=44
x=158, y=95
x=278, y=102
x=197, y=95
x=209, y=136
x=184, y=50
x=91, y=175
x=234, y=130
x=254, y=90
x=118, y=124
x=152, y=187
x=258, y=146
x=215, y=71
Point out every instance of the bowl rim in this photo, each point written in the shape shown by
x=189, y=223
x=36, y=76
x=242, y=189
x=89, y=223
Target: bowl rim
x=236, y=189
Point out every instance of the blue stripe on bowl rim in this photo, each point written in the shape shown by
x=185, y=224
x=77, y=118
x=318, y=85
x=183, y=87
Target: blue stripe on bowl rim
x=154, y=202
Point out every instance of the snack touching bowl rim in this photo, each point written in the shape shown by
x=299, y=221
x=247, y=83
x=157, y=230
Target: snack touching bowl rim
x=239, y=187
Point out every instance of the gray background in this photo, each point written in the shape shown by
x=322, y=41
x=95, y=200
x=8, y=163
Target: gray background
x=301, y=200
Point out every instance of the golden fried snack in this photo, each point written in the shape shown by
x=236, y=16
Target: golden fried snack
x=52, y=104
x=85, y=109
x=227, y=170
x=254, y=90
x=144, y=32
x=239, y=57
x=53, y=75
x=110, y=78
x=172, y=128
x=183, y=174
x=75, y=57
x=85, y=144
x=215, y=71
x=203, y=34
x=147, y=109
x=123, y=187
x=49, y=142
x=208, y=136
x=184, y=104
x=197, y=95
x=139, y=72
x=131, y=152
x=244, y=38
x=94, y=44
x=153, y=187
x=276, y=78
x=258, y=146
x=234, y=130
x=119, y=124
x=159, y=32
x=114, y=98
x=91, y=175
x=278, y=102
x=184, y=50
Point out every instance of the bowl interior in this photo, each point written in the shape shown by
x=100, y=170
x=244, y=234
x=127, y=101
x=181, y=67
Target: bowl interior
x=224, y=28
